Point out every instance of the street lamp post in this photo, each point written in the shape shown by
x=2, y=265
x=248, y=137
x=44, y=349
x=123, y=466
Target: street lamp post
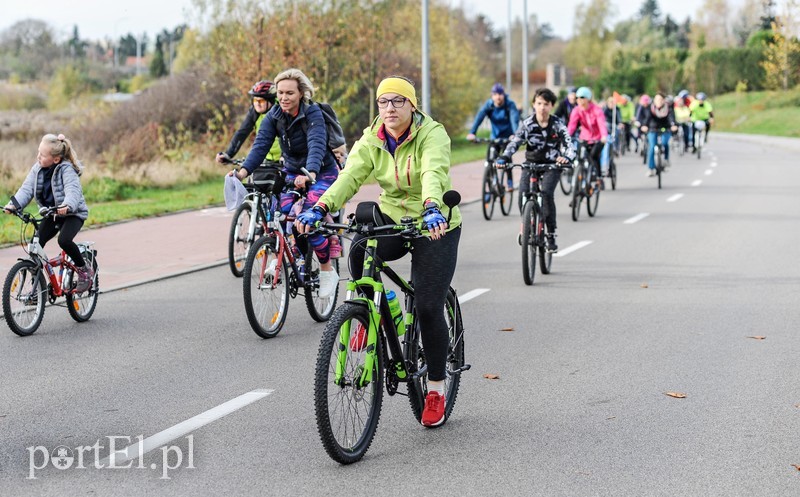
x=426, y=72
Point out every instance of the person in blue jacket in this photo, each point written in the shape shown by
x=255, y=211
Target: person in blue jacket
x=302, y=146
x=504, y=116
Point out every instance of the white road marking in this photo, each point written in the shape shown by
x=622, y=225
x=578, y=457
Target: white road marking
x=714, y=164
x=182, y=428
x=675, y=197
x=472, y=294
x=697, y=182
x=709, y=172
x=572, y=248
x=636, y=218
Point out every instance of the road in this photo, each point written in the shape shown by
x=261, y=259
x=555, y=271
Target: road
x=664, y=302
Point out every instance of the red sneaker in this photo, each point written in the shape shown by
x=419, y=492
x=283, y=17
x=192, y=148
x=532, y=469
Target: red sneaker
x=358, y=337
x=433, y=414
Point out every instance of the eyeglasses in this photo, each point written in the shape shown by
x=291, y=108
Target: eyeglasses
x=397, y=102
x=259, y=100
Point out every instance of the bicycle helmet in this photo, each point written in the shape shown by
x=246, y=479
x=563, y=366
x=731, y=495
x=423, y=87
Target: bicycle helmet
x=263, y=89
x=683, y=93
x=584, y=92
x=644, y=99
x=701, y=96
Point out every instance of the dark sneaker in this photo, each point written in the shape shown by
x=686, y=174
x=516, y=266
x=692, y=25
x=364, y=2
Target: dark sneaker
x=601, y=184
x=433, y=414
x=85, y=276
x=551, y=243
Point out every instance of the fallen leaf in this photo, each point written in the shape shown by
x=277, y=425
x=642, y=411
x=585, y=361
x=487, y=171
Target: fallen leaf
x=676, y=395
x=644, y=285
x=758, y=337
x=612, y=417
x=796, y=466
x=506, y=329
x=491, y=376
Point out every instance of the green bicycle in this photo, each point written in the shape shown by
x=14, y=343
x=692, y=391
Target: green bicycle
x=366, y=345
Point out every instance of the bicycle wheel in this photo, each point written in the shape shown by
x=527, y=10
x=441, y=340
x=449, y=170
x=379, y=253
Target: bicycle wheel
x=506, y=194
x=81, y=306
x=266, y=294
x=566, y=181
x=545, y=256
x=699, y=143
x=487, y=191
x=659, y=165
x=418, y=389
x=612, y=172
x=594, y=194
x=319, y=308
x=24, y=297
x=238, y=242
x=347, y=403
x=530, y=220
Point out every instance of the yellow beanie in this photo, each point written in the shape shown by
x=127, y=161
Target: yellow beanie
x=399, y=86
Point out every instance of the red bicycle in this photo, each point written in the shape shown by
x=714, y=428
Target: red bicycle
x=38, y=279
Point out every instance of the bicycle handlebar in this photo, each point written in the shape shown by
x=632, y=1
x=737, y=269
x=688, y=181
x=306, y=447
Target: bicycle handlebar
x=495, y=141
x=535, y=166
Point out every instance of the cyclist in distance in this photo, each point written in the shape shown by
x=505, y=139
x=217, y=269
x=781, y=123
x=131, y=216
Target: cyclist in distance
x=54, y=181
x=702, y=111
x=590, y=117
x=403, y=131
x=263, y=98
x=546, y=142
x=658, y=115
x=627, y=111
x=502, y=113
x=613, y=119
x=301, y=148
x=683, y=119
x=565, y=107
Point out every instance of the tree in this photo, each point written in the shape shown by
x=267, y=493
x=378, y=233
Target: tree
x=747, y=21
x=767, y=14
x=651, y=12
x=76, y=46
x=781, y=57
x=711, y=28
x=157, y=66
x=30, y=50
x=588, y=48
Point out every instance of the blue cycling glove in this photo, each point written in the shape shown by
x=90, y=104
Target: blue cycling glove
x=312, y=216
x=502, y=160
x=433, y=217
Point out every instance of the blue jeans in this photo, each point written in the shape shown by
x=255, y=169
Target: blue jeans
x=651, y=149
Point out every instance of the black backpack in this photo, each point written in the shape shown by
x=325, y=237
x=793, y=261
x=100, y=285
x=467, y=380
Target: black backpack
x=332, y=126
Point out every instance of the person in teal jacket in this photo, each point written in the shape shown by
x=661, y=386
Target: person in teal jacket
x=409, y=155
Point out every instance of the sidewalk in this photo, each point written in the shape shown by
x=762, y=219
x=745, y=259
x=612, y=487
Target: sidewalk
x=135, y=252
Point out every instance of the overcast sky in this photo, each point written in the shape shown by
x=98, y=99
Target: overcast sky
x=98, y=19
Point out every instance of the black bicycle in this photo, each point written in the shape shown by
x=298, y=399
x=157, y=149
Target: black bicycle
x=584, y=184
x=366, y=346
x=495, y=181
x=533, y=238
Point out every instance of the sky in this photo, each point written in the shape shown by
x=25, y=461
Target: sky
x=100, y=19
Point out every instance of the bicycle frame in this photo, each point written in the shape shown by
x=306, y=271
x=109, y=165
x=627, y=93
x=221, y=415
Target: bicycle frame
x=274, y=221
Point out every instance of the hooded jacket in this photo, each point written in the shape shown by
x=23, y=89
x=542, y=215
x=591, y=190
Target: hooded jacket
x=66, y=185
x=299, y=148
x=418, y=171
x=592, y=122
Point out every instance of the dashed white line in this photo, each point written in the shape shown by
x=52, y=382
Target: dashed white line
x=184, y=427
x=572, y=248
x=697, y=182
x=709, y=172
x=714, y=164
x=675, y=197
x=472, y=294
x=636, y=218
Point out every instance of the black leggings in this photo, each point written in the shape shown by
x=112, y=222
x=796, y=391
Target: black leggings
x=595, y=150
x=66, y=227
x=548, y=185
x=433, y=263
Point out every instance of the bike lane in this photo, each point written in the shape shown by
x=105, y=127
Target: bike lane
x=131, y=253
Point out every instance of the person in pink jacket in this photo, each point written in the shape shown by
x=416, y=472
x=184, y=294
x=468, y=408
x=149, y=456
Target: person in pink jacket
x=592, y=121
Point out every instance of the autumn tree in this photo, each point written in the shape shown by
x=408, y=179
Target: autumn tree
x=781, y=57
x=711, y=28
x=589, y=46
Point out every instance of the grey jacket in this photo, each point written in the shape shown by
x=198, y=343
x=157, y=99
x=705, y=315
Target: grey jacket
x=66, y=186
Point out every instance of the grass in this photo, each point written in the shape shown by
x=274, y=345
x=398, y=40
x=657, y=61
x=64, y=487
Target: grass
x=775, y=113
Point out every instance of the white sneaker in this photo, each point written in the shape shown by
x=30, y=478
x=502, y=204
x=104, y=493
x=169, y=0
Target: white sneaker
x=328, y=281
x=651, y=173
x=270, y=271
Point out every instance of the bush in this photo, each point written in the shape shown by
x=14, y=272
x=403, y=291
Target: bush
x=19, y=97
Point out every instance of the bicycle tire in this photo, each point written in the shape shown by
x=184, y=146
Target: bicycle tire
x=81, y=306
x=347, y=414
x=530, y=219
x=19, y=299
x=266, y=307
x=487, y=192
x=545, y=256
x=594, y=198
x=319, y=308
x=566, y=181
x=659, y=165
x=238, y=243
x=506, y=195
x=418, y=389
x=612, y=172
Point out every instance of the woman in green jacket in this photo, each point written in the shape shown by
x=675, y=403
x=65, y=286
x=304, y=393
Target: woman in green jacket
x=409, y=155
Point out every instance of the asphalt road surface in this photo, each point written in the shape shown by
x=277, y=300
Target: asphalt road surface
x=665, y=297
